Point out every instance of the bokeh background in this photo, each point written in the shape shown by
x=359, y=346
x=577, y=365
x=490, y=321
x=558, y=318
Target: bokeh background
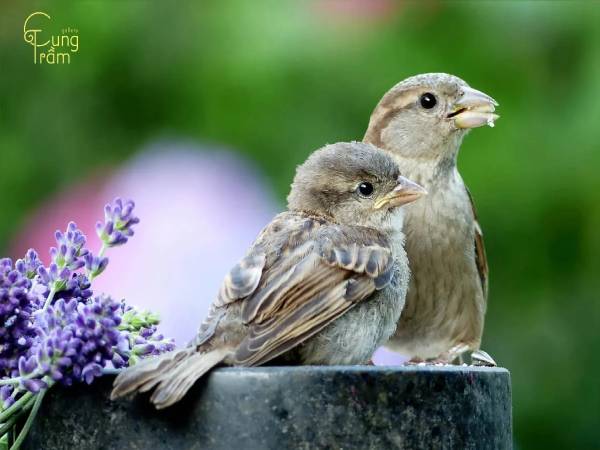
x=201, y=111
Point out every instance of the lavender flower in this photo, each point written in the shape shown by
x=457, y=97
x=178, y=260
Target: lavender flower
x=118, y=223
x=16, y=306
x=143, y=338
x=95, y=265
x=68, y=256
x=76, y=340
x=54, y=277
x=134, y=320
x=77, y=287
x=52, y=329
x=70, y=249
x=6, y=396
x=159, y=343
x=147, y=342
x=29, y=265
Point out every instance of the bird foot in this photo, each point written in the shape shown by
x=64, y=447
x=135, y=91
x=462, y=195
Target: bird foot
x=481, y=358
x=414, y=362
x=440, y=361
x=455, y=356
x=452, y=356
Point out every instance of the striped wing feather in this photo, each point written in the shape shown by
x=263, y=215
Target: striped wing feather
x=317, y=278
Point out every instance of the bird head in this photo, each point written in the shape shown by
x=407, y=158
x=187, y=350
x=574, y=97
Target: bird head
x=353, y=183
x=426, y=116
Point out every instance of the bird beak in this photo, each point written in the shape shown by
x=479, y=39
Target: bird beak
x=473, y=109
x=405, y=192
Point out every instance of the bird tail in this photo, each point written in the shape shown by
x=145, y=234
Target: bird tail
x=173, y=374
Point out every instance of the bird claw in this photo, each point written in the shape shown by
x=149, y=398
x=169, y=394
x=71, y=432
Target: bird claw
x=454, y=355
x=415, y=362
x=428, y=362
x=482, y=358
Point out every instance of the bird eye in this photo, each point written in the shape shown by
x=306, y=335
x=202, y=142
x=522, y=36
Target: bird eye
x=428, y=100
x=365, y=189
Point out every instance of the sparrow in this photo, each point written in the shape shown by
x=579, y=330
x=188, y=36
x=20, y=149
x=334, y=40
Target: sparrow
x=324, y=283
x=421, y=122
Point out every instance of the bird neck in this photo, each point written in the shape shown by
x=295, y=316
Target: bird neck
x=431, y=171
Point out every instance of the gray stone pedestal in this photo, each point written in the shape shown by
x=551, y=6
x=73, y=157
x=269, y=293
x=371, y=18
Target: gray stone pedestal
x=356, y=407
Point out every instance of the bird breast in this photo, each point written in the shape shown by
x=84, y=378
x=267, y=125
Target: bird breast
x=444, y=304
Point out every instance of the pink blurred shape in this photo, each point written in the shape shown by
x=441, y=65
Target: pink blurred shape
x=79, y=202
x=200, y=209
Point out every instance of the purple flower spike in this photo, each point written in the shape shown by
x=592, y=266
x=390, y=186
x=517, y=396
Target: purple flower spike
x=143, y=349
x=34, y=385
x=77, y=339
x=27, y=365
x=28, y=266
x=54, y=276
x=95, y=265
x=70, y=248
x=78, y=287
x=118, y=361
x=17, y=304
x=90, y=372
x=5, y=392
x=118, y=223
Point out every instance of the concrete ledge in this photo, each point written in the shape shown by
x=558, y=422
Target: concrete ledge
x=349, y=407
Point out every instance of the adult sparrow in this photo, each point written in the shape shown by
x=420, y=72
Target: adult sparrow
x=421, y=122
x=324, y=282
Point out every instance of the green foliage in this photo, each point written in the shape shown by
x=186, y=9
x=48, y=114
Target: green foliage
x=277, y=79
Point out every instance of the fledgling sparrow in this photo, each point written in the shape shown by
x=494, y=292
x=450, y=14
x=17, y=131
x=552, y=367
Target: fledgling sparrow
x=422, y=121
x=324, y=282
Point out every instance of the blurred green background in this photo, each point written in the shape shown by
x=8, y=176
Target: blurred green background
x=278, y=79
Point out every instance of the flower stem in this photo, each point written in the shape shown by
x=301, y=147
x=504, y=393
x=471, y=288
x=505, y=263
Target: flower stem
x=23, y=433
x=100, y=255
x=90, y=275
x=15, y=406
x=8, y=424
x=102, y=250
x=50, y=298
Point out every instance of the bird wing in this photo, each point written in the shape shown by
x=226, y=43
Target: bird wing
x=239, y=283
x=317, y=272
x=480, y=258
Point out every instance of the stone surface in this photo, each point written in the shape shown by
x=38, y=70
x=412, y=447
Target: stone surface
x=355, y=407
